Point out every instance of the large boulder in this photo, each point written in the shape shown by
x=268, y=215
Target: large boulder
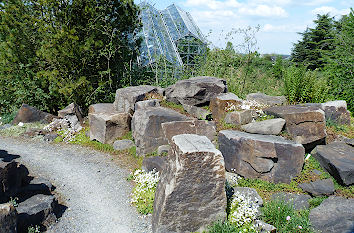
x=266, y=100
x=337, y=111
x=199, y=127
x=37, y=210
x=337, y=159
x=28, y=114
x=267, y=157
x=71, y=109
x=147, y=130
x=305, y=125
x=239, y=117
x=101, y=108
x=335, y=214
x=127, y=97
x=107, y=127
x=271, y=126
x=191, y=191
x=8, y=218
x=196, y=90
x=223, y=103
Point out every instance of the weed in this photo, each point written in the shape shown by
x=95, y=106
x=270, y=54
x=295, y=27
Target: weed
x=316, y=201
x=227, y=227
x=177, y=107
x=8, y=117
x=17, y=130
x=13, y=201
x=34, y=229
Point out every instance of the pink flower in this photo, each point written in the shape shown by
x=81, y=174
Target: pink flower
x=288, y=218
x=300, y=227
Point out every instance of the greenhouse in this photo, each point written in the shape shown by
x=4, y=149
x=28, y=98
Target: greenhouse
x=170, y=33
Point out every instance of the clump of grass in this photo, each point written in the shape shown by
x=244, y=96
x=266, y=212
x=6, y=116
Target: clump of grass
x=265, y=117
x=177, y=107
x=7, y=118
x=17, y=130
x=285, y=218
x=316, y=201
x=336, y=129
x=227, y=227
x=128, y=136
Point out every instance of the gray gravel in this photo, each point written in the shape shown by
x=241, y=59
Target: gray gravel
x=92, y=186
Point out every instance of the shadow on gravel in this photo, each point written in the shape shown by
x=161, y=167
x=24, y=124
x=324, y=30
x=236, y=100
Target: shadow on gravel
x=6, y=157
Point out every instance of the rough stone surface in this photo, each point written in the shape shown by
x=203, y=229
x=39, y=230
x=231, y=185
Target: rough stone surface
x=147, y=130
x=8, y=218
x=197, y=112
x=239, y=117
x=298, y=201
x=232, y=178
x=123, y=144
x=74, y=122
x=263, y=227
x=199, y=127
x=337, y=111
x=196, y=90
x=146, y=104
x=337, y=159
x=101, y=108
x=267, y=157
x=266, y=100
x=36, y=210
x=191, y=192
x=155, y=162
x=127, y=97
x=224, y=103
x=72, y=109
x=335, y=214
x=28, y=114
x=36, y=186
x=349, y=141
x=304, y=124
x=319, y=187
x=251, y=193
x=271, y=126
x=163, y=149
x=107, y=127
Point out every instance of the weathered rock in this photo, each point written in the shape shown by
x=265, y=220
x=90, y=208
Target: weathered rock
x=349, y=141
x=251, y=193
x=28, y=114
x=50, y=137
x=191, y=192
x=337, y=159
x=123, y=144
x=147, y=104
x=127, y=97
x=107, y=127
x=163, y=149
x=263, y=227
x=298, y=201
x=267, y=157
x=36, y=210
x=197, y=112
x=8, y=218
x=196, y=90
x=334, y=215
x=266, y=100
x=319, y=187
x=147, y=130
x=36, y=186
x=73, y=122
x=271, y=126
x=224, y=103
x=199, y=127
x=304, y=124
x=154, y=162
x=101, y=108
x=232, y=178
x=337, y=111
x=239, y=117
x=71, y=109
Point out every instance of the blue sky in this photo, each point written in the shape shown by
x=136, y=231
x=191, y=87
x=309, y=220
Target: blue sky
x=279, y=20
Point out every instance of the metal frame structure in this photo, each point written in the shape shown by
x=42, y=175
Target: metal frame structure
x=170, y=33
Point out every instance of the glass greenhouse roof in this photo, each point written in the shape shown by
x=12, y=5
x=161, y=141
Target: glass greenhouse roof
x=162, y=31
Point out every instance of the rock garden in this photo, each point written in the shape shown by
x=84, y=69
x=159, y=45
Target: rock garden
x=202, y=159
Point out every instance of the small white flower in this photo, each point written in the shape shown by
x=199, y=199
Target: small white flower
x=288, y=218
x=300, y=227
x=20, y=124
x=307, y=157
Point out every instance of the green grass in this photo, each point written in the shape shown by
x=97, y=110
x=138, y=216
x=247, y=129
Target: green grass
x=177, y=107
x=16, y=131
x=226, y=227
x=8, y=117
x=265, y=117
x=316, y=201
x=276, y=212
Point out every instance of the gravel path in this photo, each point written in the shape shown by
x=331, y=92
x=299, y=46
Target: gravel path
x=92, y=186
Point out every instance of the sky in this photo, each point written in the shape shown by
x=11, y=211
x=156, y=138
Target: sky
x=279, y=20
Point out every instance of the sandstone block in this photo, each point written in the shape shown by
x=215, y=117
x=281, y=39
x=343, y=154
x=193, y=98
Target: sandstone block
x=224, y=103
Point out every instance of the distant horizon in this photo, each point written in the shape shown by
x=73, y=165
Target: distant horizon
x=280, y=21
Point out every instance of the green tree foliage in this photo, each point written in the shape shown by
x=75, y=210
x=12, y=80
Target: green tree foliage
x=340, y=62
x=315, y=42
x=55, y=52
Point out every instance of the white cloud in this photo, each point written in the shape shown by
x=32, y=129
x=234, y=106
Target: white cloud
x=283, y=28
x=264, y=11
x=213, y=4
x=316, y=2
x=331, y=10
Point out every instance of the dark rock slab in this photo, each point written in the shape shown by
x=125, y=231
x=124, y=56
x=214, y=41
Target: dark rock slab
x=334, y=215
x=271, y=126
x=191, y=192
x=267, y=157
x=147, y=104
x=319, y=187
x=154, y=162
x=337, y=159
x=8, y=218
x=29, y=114
x=266, y=100
x=298, y=201
x=36, y=186
x=72, y=109
x=195, y=91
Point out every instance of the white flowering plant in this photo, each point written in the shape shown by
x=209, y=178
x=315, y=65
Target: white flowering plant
x=143, y=194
